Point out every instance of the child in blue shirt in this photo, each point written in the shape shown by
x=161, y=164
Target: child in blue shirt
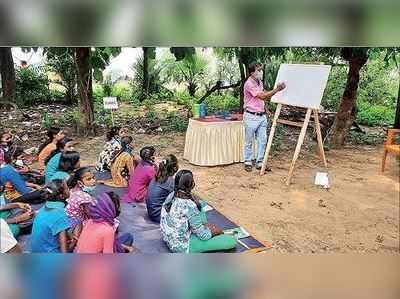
x=49, y=231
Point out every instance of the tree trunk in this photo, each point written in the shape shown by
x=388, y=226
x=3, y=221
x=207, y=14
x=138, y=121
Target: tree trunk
x=145, y=86
x=84, y=74
x=397, y=116
x=242, y=80
x=192, y=89
x=7, y=73
x=347, y=110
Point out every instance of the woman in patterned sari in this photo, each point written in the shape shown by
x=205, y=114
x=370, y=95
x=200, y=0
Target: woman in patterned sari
x=122, y=165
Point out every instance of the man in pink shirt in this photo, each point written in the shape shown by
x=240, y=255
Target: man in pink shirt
x=254, y=118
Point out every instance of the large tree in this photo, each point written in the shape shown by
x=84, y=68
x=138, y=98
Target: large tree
x=7, y=73
x=346, y=114
x=84, y=74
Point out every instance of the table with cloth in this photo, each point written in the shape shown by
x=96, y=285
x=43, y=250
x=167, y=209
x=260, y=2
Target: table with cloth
x=214, y=141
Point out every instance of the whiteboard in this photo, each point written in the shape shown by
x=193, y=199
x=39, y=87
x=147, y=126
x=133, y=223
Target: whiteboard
x=305, y=84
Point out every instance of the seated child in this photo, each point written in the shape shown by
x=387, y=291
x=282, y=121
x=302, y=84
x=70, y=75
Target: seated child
x=17, y=216
x=122, y=165
x=111, y=148
x=99, y=232
x=142, y=176
x=82, y=184
x=69, y=162
x=161, y=186
x=50, y=226
x=53, y=160
x=183, y=224
x=54, y=135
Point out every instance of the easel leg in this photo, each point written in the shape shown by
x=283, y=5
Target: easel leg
x=271, y=136
x=319, y=138
x=299, y=144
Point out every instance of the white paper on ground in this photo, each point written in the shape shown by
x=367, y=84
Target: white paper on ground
x=207, y=208
x=322, y=179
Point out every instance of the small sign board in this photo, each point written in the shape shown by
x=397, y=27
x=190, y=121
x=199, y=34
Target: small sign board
x=110, y=103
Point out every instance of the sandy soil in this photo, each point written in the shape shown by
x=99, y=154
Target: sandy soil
x=360, y=213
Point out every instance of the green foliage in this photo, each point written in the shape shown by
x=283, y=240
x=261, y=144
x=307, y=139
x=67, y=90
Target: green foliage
x=227, y=103
x=176, y=122
x=191, y=70
x=61, y=61
x=100, y=58
x=107, y=87
x=334, y=88
x=155, y=83
x=150, y=110
x=122, y=91
x=32, y=87
x=277, y=142
x=98, y=93
x=374, y=115
x=183, y=98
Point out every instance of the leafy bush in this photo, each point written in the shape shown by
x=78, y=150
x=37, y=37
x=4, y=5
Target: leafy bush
x=183, y=98
x=375, y=115
x=98, y=93
x=155, y=83
x=220, y=102
x=32, y=87
x=122, y=91
x=176, y=122
x=334, y=88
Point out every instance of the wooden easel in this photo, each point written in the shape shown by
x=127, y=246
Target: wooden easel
x=303, y=131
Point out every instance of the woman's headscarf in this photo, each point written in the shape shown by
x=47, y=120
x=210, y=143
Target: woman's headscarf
x=103, y=210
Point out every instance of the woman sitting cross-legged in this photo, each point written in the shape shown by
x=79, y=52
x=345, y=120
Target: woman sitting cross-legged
x=53, y=160
x=122, y=166
x=161, y=186
x=184, y=225
x=99, y=234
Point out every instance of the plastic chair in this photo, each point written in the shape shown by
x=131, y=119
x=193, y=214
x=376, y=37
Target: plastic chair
x=390, y=147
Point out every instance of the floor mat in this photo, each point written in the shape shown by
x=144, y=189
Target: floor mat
x=147, y=235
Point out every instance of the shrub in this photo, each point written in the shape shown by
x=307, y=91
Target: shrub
x=122, y=91
x=176, y=122
x=375, y=115
x=98, y=93
x=31, y=87
x=227, y=103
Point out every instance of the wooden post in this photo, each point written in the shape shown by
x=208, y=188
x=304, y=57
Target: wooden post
x=319, y=138
x=299, y=144
x=270, y=138
x=112, y=117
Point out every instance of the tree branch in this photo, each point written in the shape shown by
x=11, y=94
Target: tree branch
x=218, y=86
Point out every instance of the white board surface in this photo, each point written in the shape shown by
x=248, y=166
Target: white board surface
x=305, y=84
x=110, y=103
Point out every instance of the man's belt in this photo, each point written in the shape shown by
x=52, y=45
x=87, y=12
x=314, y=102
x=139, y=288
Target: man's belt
x=256, y=113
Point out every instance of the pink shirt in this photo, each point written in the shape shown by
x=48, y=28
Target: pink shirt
x=139, y=183
x=96, y=237
x=251, y=102
x=74, y=202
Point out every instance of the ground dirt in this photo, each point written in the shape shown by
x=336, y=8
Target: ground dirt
x=359, y=213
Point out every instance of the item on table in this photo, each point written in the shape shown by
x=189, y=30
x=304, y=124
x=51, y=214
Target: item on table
x=196, y=110
x=203, y=110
